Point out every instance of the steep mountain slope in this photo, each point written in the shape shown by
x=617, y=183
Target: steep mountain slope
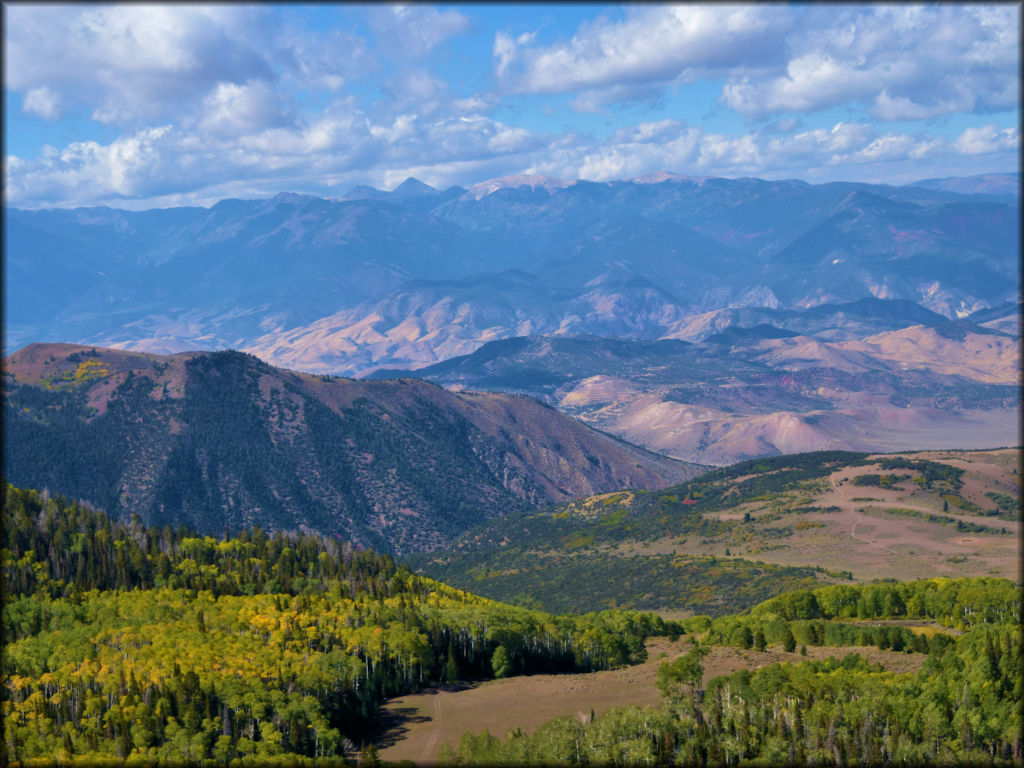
x=942, y=255
x=222, y=439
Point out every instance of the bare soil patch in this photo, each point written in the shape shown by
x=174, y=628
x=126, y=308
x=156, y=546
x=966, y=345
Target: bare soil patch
x=414, y=727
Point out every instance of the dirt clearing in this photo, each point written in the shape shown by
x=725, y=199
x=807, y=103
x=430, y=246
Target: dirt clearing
x=414, y=727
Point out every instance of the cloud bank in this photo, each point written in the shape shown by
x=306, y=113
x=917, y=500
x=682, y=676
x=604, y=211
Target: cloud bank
x=226, y=100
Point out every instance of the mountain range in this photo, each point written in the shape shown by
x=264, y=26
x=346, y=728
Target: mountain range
x=877, y=375
x=223, y=440
x=416, y=275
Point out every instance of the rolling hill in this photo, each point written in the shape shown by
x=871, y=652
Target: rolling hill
x=764, y=390
x=720, y=542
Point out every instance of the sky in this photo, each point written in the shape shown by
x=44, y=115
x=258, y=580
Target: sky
x=147, y=105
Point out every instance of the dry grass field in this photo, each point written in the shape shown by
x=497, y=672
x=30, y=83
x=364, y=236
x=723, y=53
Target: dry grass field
x=415, y=726
x=859, y=535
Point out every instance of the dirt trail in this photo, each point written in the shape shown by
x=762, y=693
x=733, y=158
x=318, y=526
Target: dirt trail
x=859, y=518
x=430, y=748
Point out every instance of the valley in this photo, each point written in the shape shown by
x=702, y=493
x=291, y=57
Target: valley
x=295, y=648
x=397, y=279
x=697, y=471
x=506, y=384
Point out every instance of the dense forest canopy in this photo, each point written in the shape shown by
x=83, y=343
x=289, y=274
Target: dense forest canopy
x=156, y=643
x=128, y=642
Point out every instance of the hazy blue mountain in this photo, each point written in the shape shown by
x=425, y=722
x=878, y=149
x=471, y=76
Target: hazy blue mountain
x=1004, y=187
x=411, y=193
x=950, y=255
x=414, y=275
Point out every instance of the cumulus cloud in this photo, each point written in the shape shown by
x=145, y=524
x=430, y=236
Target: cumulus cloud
x=847, y=150
x=988, y=139
x=227, y=151
x=653, y=43
x=236, y=110
x=227, y=101
x=134, y=63
x=42, y=102
x=904, y=62
x=123, y=168
x=314, y=59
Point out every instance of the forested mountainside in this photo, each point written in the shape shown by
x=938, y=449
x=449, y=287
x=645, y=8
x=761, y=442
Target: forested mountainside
x=220, y=440
x=158, y=645
x=417, y=276
x=722, y=541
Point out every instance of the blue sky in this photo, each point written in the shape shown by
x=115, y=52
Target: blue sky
x=150, y=105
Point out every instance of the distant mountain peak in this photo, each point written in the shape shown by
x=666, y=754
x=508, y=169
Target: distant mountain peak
x=413, y=183
x=292, y=198
x=361, y=191
x=660, y=176
x=531, y=180
x=409, y=189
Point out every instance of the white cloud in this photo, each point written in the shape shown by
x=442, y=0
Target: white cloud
x=183, y=167
x=891, y=108
x=132, y=63
x=901, y=62
x=237, y=110
x=43, y=102
x=314, y=59
x=220, y=85
x=898, y=62
x=814, y=81
x=652, y=45
x=505, y=52
x=415, y=30
x=475, y=104
x=233, y=148
x=988, y=139
x=123, y=168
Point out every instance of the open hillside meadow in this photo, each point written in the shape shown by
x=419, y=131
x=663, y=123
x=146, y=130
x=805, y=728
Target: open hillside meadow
x=733, y=536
